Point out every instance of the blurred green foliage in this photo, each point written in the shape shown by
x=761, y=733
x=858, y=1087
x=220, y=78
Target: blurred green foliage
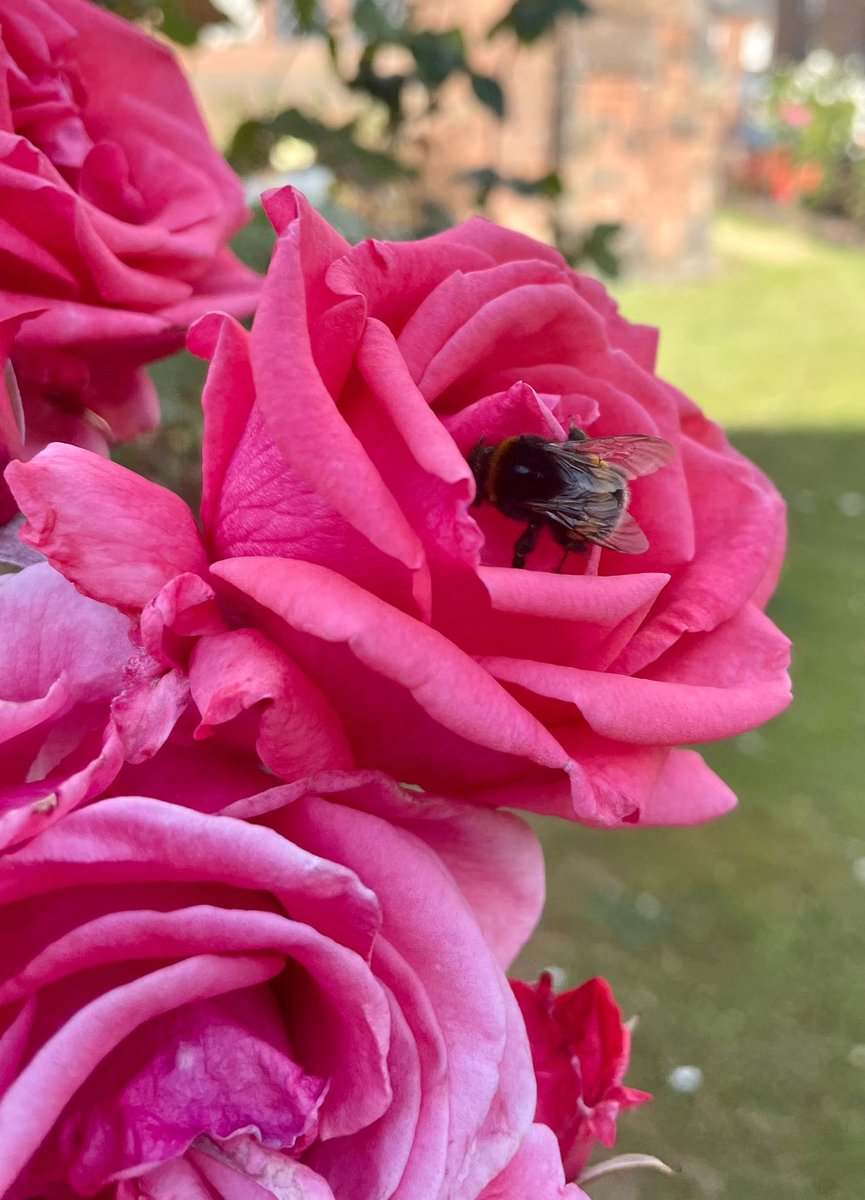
x=530, y=19
x=366, y=155
x=180, y=20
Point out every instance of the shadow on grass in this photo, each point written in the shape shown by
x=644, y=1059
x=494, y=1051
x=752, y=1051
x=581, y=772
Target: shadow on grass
x=742, y=944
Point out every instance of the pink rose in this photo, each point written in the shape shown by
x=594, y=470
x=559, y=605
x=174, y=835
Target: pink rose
x=580, y=1049
x=337, y=523
x=62, y=663
x=535, y=1171
x=117, y=212
x=86, y=709
x=302, y=995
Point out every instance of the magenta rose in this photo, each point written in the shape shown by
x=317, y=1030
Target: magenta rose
x=580, y=1049
x=303, y=994
x=338, y=524
x=117, y=210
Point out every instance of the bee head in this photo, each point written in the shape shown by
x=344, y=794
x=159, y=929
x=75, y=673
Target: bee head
x=479, y=460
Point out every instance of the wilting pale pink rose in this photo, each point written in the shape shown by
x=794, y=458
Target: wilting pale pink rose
x=117, y=210
x=302, y=995
x=337, y=524
x=580, y=1049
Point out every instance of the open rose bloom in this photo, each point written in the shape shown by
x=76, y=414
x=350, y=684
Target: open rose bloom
x=256, y=904
x=345, y=596
x=301, y=997
x=117, y=210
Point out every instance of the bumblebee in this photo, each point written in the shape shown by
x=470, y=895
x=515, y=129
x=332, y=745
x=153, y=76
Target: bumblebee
x=578, y=489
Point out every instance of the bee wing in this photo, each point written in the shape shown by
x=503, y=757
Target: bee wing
x=627, y=537
x=634, y=454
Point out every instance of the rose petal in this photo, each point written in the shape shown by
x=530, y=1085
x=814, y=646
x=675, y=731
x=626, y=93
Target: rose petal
x=390, y=648
x=299, y=732
x=116, y=536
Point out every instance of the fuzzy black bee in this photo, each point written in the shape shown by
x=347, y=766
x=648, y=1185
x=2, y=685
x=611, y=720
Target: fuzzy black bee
x=577, y=489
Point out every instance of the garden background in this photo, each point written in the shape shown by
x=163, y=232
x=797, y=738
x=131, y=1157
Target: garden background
x=740, y=946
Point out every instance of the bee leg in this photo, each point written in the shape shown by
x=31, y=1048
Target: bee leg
x=575, y=546
x=577, y=435
x=526, y=543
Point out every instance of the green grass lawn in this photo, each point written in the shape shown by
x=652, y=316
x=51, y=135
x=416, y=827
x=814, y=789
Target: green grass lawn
x=740, y=945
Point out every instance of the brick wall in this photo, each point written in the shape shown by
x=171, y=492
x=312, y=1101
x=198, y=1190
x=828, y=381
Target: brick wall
x=630, y=106
x=836, y=25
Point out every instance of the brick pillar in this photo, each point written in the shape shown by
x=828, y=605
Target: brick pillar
x=642, y=122
x=841, y=28
x=791, y=41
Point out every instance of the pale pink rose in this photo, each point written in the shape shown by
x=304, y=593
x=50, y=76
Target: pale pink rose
x=337, y=523
x=117, y=210
x=302, y=996
x=581, y=1049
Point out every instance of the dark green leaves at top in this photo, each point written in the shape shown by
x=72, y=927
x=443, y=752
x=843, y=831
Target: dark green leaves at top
x=487, y=180
x=489, y=92
x=305, y=11
x=438, y=55
x=180, y=20
x=596, y=246
x=183, y=20
x=335, y=148
x=529, y=20
x=373, y=22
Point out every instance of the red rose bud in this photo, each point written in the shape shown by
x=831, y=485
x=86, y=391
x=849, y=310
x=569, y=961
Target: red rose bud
x=580, y=1049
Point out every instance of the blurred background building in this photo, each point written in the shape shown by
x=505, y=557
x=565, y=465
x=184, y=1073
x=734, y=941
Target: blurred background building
x=635, y=112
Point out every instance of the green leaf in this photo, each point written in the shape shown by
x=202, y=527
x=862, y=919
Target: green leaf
x=387, y=89
x=438, y=55
x=489, y=92
x=133, y=10
x=250, y=146
x=305, y=12
x=529, y=20
x=183, y=20
x=595, y=246
x=549, y=185
x=486, y=179
x=373, y=23
x=335, y=148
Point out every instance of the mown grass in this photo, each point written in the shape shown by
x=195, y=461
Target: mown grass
x=741, y=945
